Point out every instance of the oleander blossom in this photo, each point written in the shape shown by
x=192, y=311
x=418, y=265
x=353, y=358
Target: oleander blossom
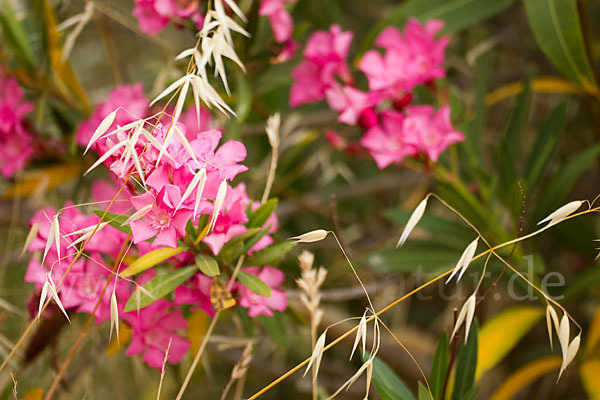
x=261, y=305
x=154, y=15
x=324, y=62
x=393, y=127
x=17, y=141
x=282, y=26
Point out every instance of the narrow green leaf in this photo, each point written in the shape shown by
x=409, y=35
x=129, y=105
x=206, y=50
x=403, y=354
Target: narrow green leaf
x=423, y=392
x=254, y=283
x=556, y=27
x=509, y=148
x=439, y=367
x=467, y=364
x=388, y=384
x=15, y=35
x=259, y=217
x=114, y=220
x=150, y=260
x=159, y=287
x=544, y=146
x=456, y=14
x=271, y=255
x=208, y=265
x=562, y=181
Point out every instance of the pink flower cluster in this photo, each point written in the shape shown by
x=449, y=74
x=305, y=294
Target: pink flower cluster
x=282, y=26
x=16, y=142
x=165, y=210
x=393, y=128
x=154, y=15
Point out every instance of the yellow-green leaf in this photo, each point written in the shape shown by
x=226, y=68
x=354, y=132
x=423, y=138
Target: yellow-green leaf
x=556, y=27
x=149, y=260
x=46, y=179
x=499, y=335
x=593, y=333
x=525, y=375
x=590, y=372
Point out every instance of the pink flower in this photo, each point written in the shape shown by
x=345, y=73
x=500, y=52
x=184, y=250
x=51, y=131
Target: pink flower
x=411, y=59
x=261, y=305
x=196, y=292
x=17, y=142
x=388, y=143
x=163, y=220
x=432, y=132
x=231, y=220
x=280, y=19
x=350, y=102
x=154, y=15
x=325, y=58
x=129, y=97
x=152, y=329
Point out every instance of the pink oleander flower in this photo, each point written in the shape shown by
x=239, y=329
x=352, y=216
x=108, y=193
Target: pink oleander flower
x=325, y=58
x=231, y=220
x=412, y=58
x=261, y=305
x=152, y=329
x=129, y=97
x=350, y=102
x=279, y=17
x=196, y=292
x=86, y=277
x=430, y=131
x=164, y=220
x=389, y=143
x=16, y=142
x=154, y=15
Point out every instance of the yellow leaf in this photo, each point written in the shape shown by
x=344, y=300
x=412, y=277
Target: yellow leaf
x=64, y=76
x=547, y=84
x=499, y=335
x=197, y=324
x=525, y=375
x=124, y=335
x=593, y=333
x=590, y=375
x=33, y=394
x=47, y=178
x=149, y=260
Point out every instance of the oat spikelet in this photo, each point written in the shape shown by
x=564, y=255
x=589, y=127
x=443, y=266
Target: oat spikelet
x=464, y=260
x=413, y=220
x=317, y=355
x=562, y=212
x=465, y=315
x=312, y=236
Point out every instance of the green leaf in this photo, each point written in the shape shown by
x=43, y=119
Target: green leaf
x=15, y=35
x=159, y=287
x=544, y=146
x=509, y=149
x=423, y=392
x=208, y=265
x=467, y=364
x=271, y=255
x=456, y=14
x=560, y=183
x=244, y=98
x=114, y=220
x=275, y=327
x=388, y=384
x=254, y=283
x=422, y=256
x=259, y=217
x=150, y=260
x=556, y=27
x=439, y=367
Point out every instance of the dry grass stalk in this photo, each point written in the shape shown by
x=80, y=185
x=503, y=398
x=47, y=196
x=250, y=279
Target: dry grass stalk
x=239, y=369
x=310, y=282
